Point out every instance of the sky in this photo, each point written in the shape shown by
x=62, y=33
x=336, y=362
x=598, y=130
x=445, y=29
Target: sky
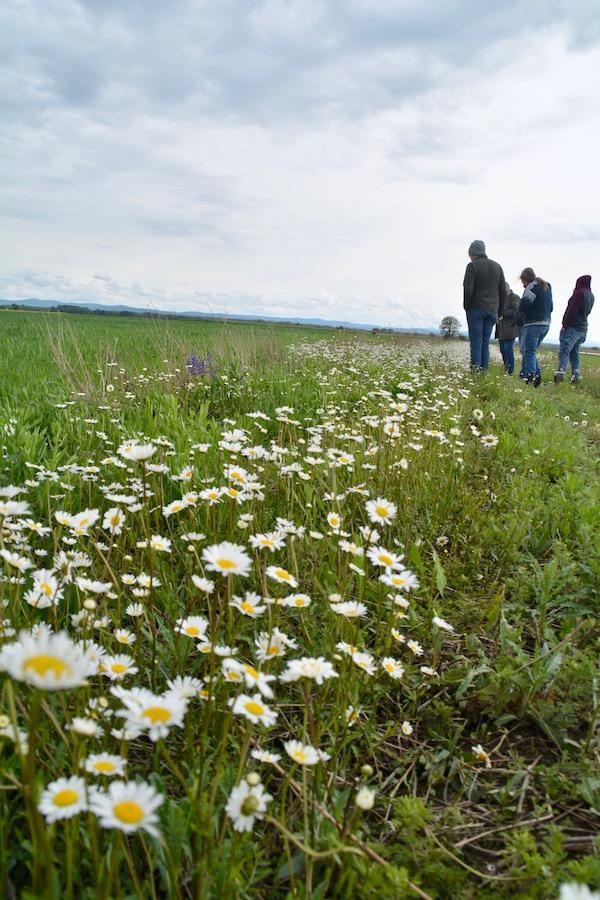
x=314, y=158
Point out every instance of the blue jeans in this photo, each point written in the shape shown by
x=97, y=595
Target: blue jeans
x=480, y=322
x=530, y=339
x=571, y=340
x=507, y=349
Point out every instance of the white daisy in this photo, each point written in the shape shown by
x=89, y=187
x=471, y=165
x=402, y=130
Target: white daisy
x=128, y=807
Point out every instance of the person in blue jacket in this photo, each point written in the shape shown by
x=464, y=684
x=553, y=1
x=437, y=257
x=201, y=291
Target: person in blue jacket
x=533, y=319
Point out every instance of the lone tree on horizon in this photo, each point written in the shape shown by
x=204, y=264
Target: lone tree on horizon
x=449, y=327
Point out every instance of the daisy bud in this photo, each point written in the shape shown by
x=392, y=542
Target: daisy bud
x=253, y=778
x=366, y=771
x=89, y=604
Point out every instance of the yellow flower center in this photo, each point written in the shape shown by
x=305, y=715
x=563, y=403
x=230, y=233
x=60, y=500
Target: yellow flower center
x=272, y=651
x=382, y=511
x=119, y=668
x=267, y=542
x=250, y=670
x=192, y=630
x=257, y=709
x=226, y=564
x=281, y=573
x=46, y=588
x=157, y=714
x=104, y=766
x=44, y=665
x=385, y=559
x=114, y=520
x=128, y=812
x=300, y=756
x=247, y=607
x=66, y=797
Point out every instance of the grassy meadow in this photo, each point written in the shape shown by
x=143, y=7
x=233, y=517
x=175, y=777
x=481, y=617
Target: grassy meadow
x=321, y=622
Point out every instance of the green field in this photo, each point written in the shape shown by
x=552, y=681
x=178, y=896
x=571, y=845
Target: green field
x=385, y=684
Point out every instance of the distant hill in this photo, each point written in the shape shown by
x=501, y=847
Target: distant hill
x=124, y=310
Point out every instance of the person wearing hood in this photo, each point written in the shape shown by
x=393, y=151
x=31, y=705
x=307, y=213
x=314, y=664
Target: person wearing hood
x=506, y=329
x=574, y=329
x=533, y=318
x=484, y=295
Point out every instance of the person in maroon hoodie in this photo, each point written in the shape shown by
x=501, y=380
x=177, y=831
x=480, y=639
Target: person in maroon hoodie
x=574, y=329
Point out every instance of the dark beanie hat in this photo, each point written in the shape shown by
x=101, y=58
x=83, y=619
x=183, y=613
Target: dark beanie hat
x=477, y=248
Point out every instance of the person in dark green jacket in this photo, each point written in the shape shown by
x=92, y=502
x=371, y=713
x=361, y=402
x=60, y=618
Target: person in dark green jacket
x=484, y=296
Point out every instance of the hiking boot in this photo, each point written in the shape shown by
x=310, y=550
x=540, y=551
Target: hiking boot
x=559, y=376
x=537, y=380
x=575, y=378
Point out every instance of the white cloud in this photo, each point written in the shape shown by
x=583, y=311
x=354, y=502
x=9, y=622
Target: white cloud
x=287, y=157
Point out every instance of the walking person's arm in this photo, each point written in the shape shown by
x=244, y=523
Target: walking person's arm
x=468, y=286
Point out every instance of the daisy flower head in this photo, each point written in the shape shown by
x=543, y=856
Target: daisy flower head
x=415, y=647
x=254, y=708
x=364, y=661
x=160, y=544
x=50, y=661
x=281, y=575
x=303, y=754
x=271, y=541
x=84, y=726
x=295, y=601
x=380, y=511
x=128, y=807
x=136, y=452
x=250, y=605
x=118, y=667
x=203, y=584
x=63, y=799
x=265, y=756
x=350, y=609
x=401, y=580
x=245, y=804
x=154, y=713
x=441, y=623
x=227, y=559
x=387, y=559
x=365, y=798
x=393, y=667
x=334, y=520
x=273, y=645
x=317, y=669
x=124, y=636
x=185, y=686
x=105, y=764
x=192, y=626
x=406, y=728
x=113, y=520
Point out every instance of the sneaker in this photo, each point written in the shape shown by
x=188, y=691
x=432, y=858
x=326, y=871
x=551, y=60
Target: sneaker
x=575, y=378
x=558, y=376
x=537, y=380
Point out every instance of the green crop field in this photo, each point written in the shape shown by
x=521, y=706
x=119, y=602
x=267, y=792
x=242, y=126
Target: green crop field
x=320, y=621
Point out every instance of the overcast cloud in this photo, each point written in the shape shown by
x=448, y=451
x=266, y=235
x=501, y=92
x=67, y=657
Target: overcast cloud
x=328, y=158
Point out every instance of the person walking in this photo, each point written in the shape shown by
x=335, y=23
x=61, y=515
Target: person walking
x=484, y=296
x=533, y=319
x=574, y=329
x=506, y=329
